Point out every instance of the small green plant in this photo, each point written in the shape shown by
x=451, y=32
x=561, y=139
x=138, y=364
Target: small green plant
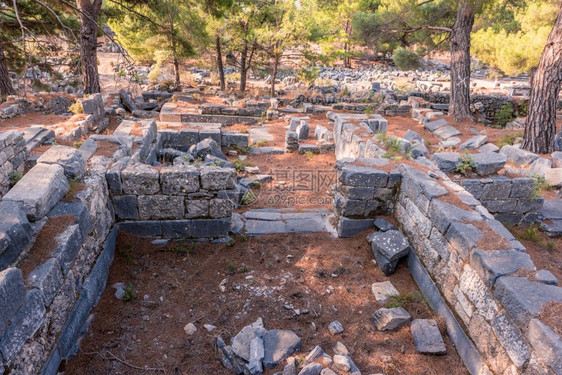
x=230, y=243
x=308, y=75
x=392, y=145
x=76, y=108
x=369, y=110
x=539, y=185
x=405, y=59
x=505, y=115
x=550, y=246
x=78, y=144
x=531, y=234
x=240, y=164
x=523, y=108
x=309, y=155
x=465, y=164
x=125, y=252
x=260, y=143
x=15, y=177
x=248, y=198
x=244, y=269
x=130, y=293
x=231, y=267
x=243, y=237
x=256, y=185
x=508, y=139
x=402, y=300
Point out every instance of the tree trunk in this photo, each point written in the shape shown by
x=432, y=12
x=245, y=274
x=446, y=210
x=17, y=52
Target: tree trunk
x=6, y=87
x=274, y=73
x=243, y=68
x=220, y=67
x=177, y=71
x=89, y=16
x=540, y=128
x=459, y=106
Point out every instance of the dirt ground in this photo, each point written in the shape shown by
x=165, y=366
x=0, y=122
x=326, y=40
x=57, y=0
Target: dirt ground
x=179, y=284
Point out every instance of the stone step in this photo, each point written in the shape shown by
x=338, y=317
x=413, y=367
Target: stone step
x=273, y=221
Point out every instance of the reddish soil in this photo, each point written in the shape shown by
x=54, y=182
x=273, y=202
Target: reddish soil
x=550, y=315
x=45, y=243
x=181, y=285
x=106, y=148
x=31, y=118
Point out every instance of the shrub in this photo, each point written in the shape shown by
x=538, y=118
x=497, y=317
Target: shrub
x=130, y=293
x=14, y=178
x=508, y=139
x=505, y=115
x=76, y=108
x=308, y=75
x=405, y=59
x=465, y=165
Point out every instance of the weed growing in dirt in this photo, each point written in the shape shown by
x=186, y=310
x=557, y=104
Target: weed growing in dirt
x=402, y=300
x=76, y=108
x=260, y=143
x=531, y=234
x=130, y=294
x=244, y=269
x=465, y=165
x=309, y=155
x=243, y=237
x=539, y=185
x=256, y=185
x=550, y=246
x=230, y=243
x=392, y=145
x=125, y=253
x=240, y=164
x=14, y=178
x=508, y=139
x=77, y=144
x=248, y=198
x=231, y=267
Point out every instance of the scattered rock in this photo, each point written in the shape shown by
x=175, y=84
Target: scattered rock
x=390, y=319
x=279, y=344
x=311, y=369
x=341, y=363
x=335, y=328
x=427, y=337
x=190, y=329
x=383, y=291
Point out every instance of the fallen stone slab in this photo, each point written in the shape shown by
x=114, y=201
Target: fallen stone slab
x=39, y=190
x=491, y=265
x=446, y=161
x=311, y=369
x=451, y=142
x=259, y=227
x=390, y=319
x=71, y=159
x=254, y=365
x=350, y=227
x=434, y=125
x=517, y=156
x=383, y=225
x=552, y=209
x=488, y=147
x=392, y=244
x=279, y=345
x=383, y=292
x=427, y=337
x=474, y=142
x=488, y=163
x=446, y=132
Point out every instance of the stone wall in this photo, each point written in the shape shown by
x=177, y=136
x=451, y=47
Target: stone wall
x=45, y=308
x=483, y=275
x=354, y=135
x=361, y=194
x=12, y=158
x=511, y=201
x=177, y=201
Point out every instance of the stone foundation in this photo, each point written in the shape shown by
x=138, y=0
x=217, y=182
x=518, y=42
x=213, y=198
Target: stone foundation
x=12, y=158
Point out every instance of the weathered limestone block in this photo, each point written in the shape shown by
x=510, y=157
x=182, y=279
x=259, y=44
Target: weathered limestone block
x=214, y=178
x=47, y=278
x=547, y=344
x=15, y=232
x=140, y=179
x=477, y=292
x=39, y=190
x=179, y=180
x=427, y=337
x=219, y=208
x=355, y=175
x=69, y=158
x=12, y=295
x=160, y=207
x=93, y=105
x=197, y=208
x=511, y=339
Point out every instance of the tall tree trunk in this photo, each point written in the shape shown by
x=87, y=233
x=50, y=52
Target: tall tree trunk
x=459, y=106
x=274, y=73
x=89, y=16
x=243, y=68
x=540, y=128
x=177, y=71
x=6, y=87
x=220, y=67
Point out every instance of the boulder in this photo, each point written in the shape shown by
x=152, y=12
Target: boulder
x=517, y=156
x=446, y=161
x=488, y=163
x=208, y=146
x=303, y=130
x=241, y=342
x=474, y=142
x=383, y=291
x=278, y=345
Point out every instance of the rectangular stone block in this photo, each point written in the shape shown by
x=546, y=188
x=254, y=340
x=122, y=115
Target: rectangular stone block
x=350, y=227
x=144, y=229
x=12, y=295
x=355, y=175
x=358, y=193
x=113, y=176
x=71, y=159
x=477, y=292
x=78, y=210
x=126, y=207
x=179, y=180
x=47, y=278
x=23, y=326
x=15, y=232
x=547, y=344
x=215, y=178
x=160, y=207
x=69, y=243
x=140, y=179
x=463, y=238
x=39, y=190
x=511, y=339
x=230, y=138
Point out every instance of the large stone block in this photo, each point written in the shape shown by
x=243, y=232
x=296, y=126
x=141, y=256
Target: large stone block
x=547, y=344
x=71, y=159
x=47, y=278
x=179, y=180
x=214, y=178
x=140, y=179
x=442, y=214
x=76, y=209
x=113, y=176
x=511, y=339
x=15, y=232
x=39, y=190
x=350, y=227
x=126, y=207
x=69, y=243
x=517, y=156
x=23, y=326
x=12, y=295
x=427, y=337
x=446, y=161
x=493, y=264
x=524, y=299
x=219, y=208
x=161, y=207
x=477, y=292
x=93, y=105
x=355, y=175
x=488, y=163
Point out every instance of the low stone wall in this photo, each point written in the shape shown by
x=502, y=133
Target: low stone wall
x=45, y=309
x=511, y=201
x=183, y=139
x=193, y=202
x=353, y=135
x=12, y=158
x=477, y=266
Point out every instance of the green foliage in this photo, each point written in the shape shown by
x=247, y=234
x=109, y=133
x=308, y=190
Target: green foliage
x=465, y=164
x=309, y=155
x=230, y=243
x=402, y=300
x=248, y=198
x=240, y=164
x=539, y=185
x=508, y=139
x=531, y=234
x=77, y=144
x=76, y=108
x=130, y=294
x=405, y=59
x=505, y=115
x=15, y=177
x=392, y=146
x=308, y=75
